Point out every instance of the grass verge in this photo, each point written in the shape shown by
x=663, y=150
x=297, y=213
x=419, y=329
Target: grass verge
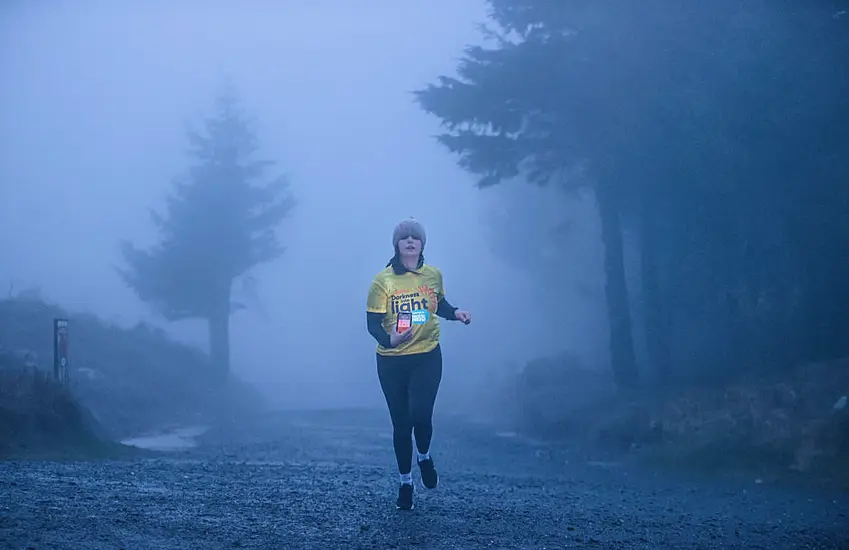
x=791, y=427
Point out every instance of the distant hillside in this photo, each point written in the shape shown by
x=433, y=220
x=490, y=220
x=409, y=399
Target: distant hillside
x=131, y=381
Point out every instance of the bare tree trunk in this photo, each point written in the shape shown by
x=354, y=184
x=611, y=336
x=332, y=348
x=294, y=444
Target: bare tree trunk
x=622, y=356
x=219, y=340
x=654, y=301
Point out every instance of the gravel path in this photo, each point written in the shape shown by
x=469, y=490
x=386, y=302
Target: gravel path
x=326, y=481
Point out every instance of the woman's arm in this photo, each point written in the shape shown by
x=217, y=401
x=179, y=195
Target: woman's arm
x=375, y=311
x=445, y=310
x=375, y=328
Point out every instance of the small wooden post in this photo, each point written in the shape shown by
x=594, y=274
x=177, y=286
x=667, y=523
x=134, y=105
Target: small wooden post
x=60, y=350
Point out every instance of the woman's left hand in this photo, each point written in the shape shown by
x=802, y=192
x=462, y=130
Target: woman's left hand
x=463, y=315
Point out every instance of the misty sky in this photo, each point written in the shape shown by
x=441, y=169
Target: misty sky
x=94, y=99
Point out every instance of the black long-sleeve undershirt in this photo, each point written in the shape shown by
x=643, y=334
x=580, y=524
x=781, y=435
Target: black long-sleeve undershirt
x=375, y=328
x=374, y=322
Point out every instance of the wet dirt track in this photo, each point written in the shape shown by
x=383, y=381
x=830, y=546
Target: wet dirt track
x=327, y=480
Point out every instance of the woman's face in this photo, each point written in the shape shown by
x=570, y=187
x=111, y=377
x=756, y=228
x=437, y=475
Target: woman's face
x=410, y=247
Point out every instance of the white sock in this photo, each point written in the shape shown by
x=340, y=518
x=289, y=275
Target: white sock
x=407, y=478
x=423, y=456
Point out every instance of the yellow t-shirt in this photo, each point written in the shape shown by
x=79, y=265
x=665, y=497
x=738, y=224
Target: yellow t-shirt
x=417, y=291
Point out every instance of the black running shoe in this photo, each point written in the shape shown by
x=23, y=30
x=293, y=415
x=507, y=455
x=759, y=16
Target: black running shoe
x=405, y=497
x=430, y=478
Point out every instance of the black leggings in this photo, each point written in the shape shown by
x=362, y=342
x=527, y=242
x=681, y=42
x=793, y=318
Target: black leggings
x=409, y=384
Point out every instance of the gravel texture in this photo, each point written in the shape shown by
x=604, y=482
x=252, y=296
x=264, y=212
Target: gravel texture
x=326, y=480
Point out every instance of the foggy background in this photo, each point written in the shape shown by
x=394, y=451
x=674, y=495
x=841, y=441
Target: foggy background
x=95, y=99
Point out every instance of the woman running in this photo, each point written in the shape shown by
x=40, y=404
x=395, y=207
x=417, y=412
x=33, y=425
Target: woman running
x=409, y=360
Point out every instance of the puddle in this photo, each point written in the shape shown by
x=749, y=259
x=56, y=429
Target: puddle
x=175, y=440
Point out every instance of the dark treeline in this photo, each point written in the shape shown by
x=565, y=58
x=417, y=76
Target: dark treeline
x=715, y=132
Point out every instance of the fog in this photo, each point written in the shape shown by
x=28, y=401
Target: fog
x=95, y=99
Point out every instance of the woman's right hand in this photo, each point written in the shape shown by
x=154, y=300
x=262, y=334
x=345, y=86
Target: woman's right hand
x=397, y=338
